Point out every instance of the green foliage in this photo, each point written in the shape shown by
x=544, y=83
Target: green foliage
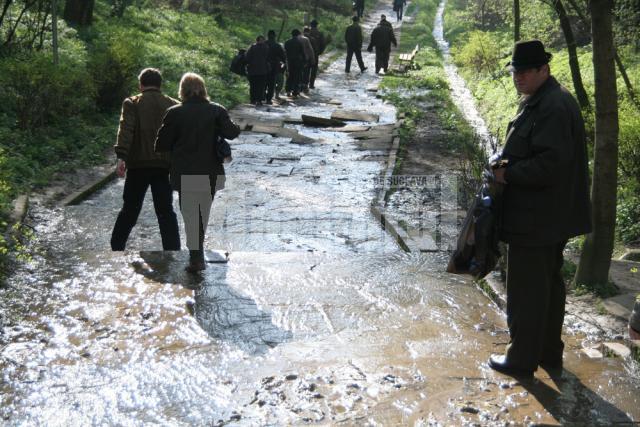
x=628, y=218
x=113, y=61
x=481, y=53
x=36, y=93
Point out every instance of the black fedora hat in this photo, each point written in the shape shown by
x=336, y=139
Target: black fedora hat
x=528, y=54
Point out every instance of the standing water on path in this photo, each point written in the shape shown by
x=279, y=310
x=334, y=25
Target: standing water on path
x=316, y=315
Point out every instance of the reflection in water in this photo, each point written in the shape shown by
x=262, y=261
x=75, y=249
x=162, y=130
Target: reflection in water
x=221, y=311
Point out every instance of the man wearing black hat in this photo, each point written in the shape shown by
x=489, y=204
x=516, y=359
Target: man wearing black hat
x=353, y=39
x=545, y=203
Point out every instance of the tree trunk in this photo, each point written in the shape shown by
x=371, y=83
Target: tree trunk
x=79, y=12
x=581, y=94
x=516, y=20
x=621, y=69
x=54, y=30
x=596, y=255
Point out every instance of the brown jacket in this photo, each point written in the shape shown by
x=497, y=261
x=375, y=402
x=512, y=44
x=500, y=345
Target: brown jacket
x=140, y=120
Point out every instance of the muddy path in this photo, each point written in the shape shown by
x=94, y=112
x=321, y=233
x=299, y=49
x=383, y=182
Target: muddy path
x=308, y=313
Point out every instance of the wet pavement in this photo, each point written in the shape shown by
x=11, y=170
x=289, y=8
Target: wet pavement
x=309, y=313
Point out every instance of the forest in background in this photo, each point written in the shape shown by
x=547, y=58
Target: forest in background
x=59, y=117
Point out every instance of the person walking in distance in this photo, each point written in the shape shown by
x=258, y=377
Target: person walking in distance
x=545, y=202
x=359, y=8
x=139, y=122
x=319, y=43
x=277, y=59
x=310, y=58
x=192, y=132
x=353, y=39
x=295, y=63
x=258, y=70
x=381, y=38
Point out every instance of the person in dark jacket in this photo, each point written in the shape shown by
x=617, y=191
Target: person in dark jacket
x=319, y=44
x=295, y=63
x=353, y=39
x=277, y=62
x=139, y=122
x=359, y=8
x=192, y=132
x=545, y=202
x=381, y=38
x=258, y=69
x=398, y=8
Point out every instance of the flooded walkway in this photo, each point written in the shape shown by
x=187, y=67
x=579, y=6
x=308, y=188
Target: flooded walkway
x=311, y=312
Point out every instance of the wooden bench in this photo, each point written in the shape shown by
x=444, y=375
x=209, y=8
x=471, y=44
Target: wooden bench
x=409, y=57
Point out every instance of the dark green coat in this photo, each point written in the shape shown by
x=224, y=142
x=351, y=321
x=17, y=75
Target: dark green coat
x=546, y=199
x=190, y=132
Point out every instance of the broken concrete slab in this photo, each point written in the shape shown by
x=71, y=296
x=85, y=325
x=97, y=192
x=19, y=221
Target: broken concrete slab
x=284, y=159
x=350, y=128
x=354, y=116
x=593, y=353
x=334, y=102
x=372, y=88
x=293, y=121
x=373, y=134
x=282, y=132
x=321, y=121
x=618, y=349
x=374, y=144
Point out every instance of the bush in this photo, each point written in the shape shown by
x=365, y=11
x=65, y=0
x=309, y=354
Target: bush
x=481, y=53
x=35, y=92
x=114, y=64
x=628, y=219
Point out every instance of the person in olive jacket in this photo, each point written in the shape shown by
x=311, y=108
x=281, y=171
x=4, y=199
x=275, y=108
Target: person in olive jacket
x=258, y=69
x=353, y=39
x=381, y=38
x=319, y=43
x=191, y=132
x=545, y=202
x=296, y=60
x=139, y=122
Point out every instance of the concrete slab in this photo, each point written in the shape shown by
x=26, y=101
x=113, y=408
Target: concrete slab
x=373, y=134
x=350, y=128
x=354, y=116
x=618, y=349
x=316, y=121
x=593, y=353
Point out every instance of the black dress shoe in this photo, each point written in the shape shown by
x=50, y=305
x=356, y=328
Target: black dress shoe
x=498, y=362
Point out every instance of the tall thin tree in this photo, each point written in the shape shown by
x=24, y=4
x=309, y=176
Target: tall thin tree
x=598, y=247
x=574, y=64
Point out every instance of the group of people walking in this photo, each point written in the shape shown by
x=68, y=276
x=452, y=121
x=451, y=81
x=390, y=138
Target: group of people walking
x=267, y=61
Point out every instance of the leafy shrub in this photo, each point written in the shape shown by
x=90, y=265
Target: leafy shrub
x=114, y=64
x=628, y=219
x=481, y=53
x=629, y=146
x=35, y=92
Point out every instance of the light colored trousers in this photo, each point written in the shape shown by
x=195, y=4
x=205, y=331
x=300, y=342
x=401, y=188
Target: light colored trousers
x=195, y=205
